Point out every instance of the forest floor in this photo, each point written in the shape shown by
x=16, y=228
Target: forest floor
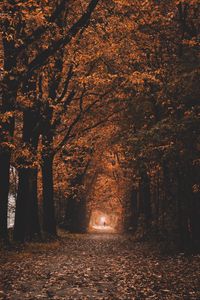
x=97, y=266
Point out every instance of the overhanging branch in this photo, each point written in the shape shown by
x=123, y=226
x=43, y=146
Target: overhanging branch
x=42, y=58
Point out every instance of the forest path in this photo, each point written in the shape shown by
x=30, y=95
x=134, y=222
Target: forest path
x=98, y=266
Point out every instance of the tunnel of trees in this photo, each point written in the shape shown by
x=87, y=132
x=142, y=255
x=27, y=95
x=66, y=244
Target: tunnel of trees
x=100, y=118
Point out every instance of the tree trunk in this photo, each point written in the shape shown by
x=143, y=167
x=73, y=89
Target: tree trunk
x=195, y=222
x=133, y=219
x=8, y=93
x=70, y=215
x=34, y=225
x=183, y=200
x=146, y=199
x=21, y=206
x=26, y=214
x=6, y=134
x=4, y=190
x=49, y=221
x=26, y=217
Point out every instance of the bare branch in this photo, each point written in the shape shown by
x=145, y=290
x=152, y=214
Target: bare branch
x=69, y=99
x=73, y=124
x=70, y=128
x=81, y=99
x=66, y=84
x=98, y=123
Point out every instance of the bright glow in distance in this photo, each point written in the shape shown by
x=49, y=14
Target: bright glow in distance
x=102, y=220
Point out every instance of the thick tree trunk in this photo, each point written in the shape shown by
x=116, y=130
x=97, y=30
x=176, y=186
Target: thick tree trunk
x=26, y=217
x=70, y=215
x=8, y=94
x=157, y=200
x=133, y=211
x=49, y=218
x=77, y=215
x=34, y=225
x=4, y=190
x=49, y=221
x=21, y=206
x=195, y=222
x=6, y=134
x=76, y=210
x=146, y=200
x=183, y=205
x=195, y=208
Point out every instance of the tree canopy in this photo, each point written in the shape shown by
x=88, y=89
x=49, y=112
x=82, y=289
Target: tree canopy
x=100, y=99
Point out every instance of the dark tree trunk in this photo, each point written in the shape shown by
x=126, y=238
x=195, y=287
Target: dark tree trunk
x=183, y=205
x=34, y=229
x=6, y=134
x=195, y=222
x=133, y=220
x=8, y=93
x=49, y=218
x=4, y=190
x=26, y=217
x=157, y=200
x=146, y=200
x=26, y=214
x=21, y=206
x=195, y=209
x=49, y=221
x=70, y=215
x=75, y=215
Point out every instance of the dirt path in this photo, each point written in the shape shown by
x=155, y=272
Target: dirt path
x=98, y=267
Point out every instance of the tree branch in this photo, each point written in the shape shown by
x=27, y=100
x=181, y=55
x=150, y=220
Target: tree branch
x=98, y=123
x=37, y=34
x=42, y=58
x=73, y=124
x=66, y=84
x=69, y=99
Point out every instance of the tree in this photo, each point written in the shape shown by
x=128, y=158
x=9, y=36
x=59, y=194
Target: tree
x=14, y=48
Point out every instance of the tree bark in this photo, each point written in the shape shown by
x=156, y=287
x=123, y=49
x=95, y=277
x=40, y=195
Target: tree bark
x=26, y=214
x=146, y=199
x=49, y=221
x=183, y=200
x=4, y=190
x=8, y=94
x=6, y=133
x=133, y=219
x=26, y=217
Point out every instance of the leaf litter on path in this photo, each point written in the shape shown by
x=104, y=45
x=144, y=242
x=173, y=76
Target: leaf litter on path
x=93, y=266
